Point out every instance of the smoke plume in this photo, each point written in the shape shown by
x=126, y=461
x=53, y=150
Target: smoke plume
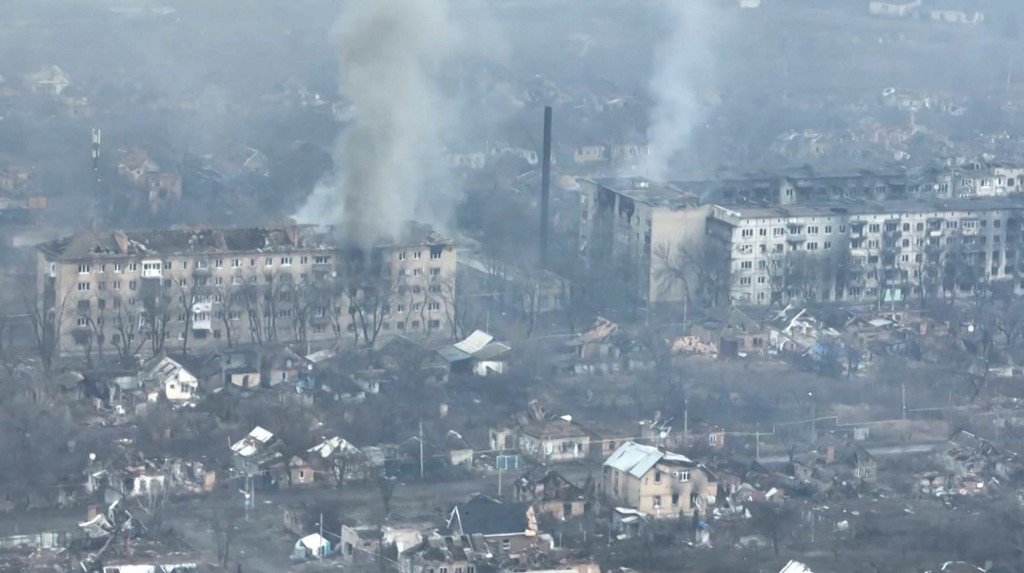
x=388, y=158
x=683, y=67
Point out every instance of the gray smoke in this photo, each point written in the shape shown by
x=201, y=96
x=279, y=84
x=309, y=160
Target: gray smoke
x=389, y=156
x=682, y=78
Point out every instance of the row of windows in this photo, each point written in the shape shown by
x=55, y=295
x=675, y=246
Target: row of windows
x=435, y=255
x=434, y=272
x=793, y=230
x=873, y=228
x=86, y=268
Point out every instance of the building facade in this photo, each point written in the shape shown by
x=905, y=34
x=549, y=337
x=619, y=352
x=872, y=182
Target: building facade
x=139, y=293
x=649, y=241
x=868, y=251
x=656, y=482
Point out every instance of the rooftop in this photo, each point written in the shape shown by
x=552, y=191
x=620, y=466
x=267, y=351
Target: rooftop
x=554, y=428
x=487, y=516
x=649, y=192
x=678, y=194
x=637, y=459
x=856, y=207
x=89, y=243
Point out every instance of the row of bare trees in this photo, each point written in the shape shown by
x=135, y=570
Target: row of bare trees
x=360, y=302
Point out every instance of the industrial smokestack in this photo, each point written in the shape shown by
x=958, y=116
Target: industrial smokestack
x=545, y=187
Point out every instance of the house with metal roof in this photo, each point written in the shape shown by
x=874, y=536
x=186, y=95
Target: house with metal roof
x=659, y=483
x=479, y=353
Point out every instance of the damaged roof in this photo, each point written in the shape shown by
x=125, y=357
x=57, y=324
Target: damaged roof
x=89, y=243
x=637, y=459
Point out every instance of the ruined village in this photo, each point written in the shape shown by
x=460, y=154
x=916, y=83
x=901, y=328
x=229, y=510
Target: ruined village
x=439, y=286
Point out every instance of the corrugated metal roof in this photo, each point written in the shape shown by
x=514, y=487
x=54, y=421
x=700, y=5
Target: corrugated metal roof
x=796, y=567
x=250, y=444
x=474, y=342
x=452, y=354
x=637, y=459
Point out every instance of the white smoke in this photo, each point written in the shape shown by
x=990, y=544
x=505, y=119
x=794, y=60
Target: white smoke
x=681, y=81
x=389, y=157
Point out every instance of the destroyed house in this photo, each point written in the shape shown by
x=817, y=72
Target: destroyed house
x=437, y=554
x=508, y=528
x=258, y=453
x=554, y=440
x=969, y=455
x=732, y=332
x=552, y=494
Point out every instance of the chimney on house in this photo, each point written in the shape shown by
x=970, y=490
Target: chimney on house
x=122, y=242
x=545, y=187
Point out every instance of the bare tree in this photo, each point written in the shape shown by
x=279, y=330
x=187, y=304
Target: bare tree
x=369, y=287
x=186, y=311
x=386, y=486
x=47, y=326
x=706, y=266
x=775, y=521
x=300, y=300
x=527, y=291
x=228, y=298
x=156, y=306
x=455, y=305
x=127, y=338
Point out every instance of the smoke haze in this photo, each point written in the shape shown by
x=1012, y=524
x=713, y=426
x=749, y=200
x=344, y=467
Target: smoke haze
x=682, y=76
x=388, y=158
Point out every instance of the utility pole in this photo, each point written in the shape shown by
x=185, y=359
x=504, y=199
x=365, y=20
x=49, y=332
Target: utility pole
x=421, y=448
x=320, y=549
x=686, y=420
x=814, y=417
x=903, y=396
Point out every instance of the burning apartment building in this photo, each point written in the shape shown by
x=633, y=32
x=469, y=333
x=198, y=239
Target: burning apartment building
x=140, y=293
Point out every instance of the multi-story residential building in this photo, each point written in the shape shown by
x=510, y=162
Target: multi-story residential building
x=868, y=251
x=142, y=292
x=656, y=482
x=630, y=228
x=649, y=240
x=977, y=180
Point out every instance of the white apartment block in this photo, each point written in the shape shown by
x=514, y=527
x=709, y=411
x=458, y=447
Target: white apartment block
x=633, y=229
x=868, y=251
x=981, y=181
x=141, y=292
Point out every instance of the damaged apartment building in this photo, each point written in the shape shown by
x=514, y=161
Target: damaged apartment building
x=140, y=292
x=866, y=237
x=646, y=230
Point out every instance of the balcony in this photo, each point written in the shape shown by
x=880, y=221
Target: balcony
x=152, y=269
x=796, y=237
